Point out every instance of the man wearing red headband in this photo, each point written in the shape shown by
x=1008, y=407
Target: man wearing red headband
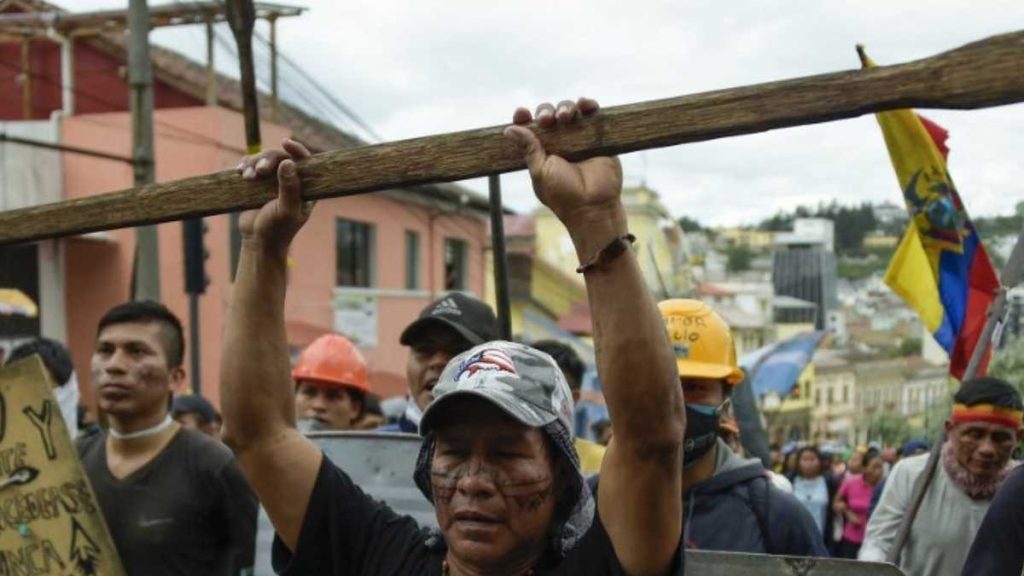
x=980, y=436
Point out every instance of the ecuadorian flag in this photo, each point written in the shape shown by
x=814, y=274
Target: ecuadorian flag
x=940, y=268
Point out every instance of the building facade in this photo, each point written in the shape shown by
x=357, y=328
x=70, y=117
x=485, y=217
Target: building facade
x=804, y=267
x=363, y=266
x=834, y=397
x=659, y=245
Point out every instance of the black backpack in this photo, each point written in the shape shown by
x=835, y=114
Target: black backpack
x=759, y=499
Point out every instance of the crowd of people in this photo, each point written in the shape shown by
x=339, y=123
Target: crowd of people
x=514, y=491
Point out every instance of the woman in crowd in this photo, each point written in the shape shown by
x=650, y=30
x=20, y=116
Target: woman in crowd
x=789, y=468
x=815, y=490
x=853, y=502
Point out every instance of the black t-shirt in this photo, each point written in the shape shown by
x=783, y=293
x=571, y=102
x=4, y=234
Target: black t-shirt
x=187, y=512
x=998, y=548
x=346, y=532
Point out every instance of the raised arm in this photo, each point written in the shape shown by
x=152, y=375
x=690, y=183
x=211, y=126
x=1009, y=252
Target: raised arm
x=256, y=390
x=640, y=500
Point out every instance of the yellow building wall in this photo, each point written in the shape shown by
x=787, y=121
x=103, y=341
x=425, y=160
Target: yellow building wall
x=645, y=216
x=881, y=241
x=555, y=291
x=753, y=239
x=552, y=242
x=805, y=384
x=783, y=331
x=552, y=293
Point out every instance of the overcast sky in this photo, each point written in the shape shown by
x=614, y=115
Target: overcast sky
x=412, y=68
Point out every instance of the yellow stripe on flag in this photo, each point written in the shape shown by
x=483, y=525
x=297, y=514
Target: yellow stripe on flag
x=911, y=274
x=910, y=147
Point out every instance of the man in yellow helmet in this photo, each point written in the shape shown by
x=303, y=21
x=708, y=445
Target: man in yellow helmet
x=731, y=503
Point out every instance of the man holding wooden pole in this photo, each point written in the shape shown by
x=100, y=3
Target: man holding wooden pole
x=497, y=457
x=975, y=460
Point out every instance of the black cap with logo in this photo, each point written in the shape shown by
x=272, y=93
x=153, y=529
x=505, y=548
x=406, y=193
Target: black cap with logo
x=471, y=318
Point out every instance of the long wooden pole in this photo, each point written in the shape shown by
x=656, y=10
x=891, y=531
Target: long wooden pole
x=982, y=74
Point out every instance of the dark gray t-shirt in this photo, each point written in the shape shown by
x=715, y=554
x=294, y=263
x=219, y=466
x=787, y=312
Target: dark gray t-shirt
x=187, y=512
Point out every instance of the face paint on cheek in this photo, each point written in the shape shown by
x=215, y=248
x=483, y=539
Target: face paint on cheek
x=529, y=492
x=151, y=376
x=533, y=502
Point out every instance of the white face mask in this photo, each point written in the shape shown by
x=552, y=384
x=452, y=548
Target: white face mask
x=67, y=398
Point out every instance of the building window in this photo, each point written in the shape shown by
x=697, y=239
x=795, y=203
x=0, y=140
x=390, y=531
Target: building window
x=846, y=394
x=817, y=397
x=831, y=398
x=355, y=257
x=456, y=255
x=412, y=260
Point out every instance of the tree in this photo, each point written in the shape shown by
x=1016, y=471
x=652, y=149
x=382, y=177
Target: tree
x=910, y=347
x=739, y=258
x=690, y=224
x=889, y=427
x=1008, y=363
x=780, y=222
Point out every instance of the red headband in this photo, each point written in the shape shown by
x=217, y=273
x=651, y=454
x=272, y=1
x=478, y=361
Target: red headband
x=990, y=413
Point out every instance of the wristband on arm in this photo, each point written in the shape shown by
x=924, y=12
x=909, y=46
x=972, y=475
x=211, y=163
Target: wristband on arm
x=613, y=250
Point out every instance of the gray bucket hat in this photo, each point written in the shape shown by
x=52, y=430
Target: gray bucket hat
x=526, y=384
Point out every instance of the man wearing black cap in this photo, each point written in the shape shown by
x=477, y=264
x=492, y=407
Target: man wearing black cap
x=451, y=325
x=981, y=434
x=196, y=413
x=496, y=458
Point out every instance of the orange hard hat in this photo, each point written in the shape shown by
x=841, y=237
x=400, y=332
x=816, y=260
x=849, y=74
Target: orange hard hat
x=701, y=340
x=332, y=360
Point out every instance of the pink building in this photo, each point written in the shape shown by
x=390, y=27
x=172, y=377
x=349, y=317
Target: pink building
x=364, y=265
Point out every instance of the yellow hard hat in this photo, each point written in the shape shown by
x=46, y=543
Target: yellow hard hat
x=701, y=340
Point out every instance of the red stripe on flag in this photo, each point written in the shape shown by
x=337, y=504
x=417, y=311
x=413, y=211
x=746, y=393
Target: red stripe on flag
x=938, y=134
x=982, y=286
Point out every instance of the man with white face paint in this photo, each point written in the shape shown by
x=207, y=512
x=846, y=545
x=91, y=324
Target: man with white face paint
x=496, y=458
x=174, y=499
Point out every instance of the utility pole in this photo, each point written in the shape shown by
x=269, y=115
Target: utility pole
x=500, y=255
x=146, y=273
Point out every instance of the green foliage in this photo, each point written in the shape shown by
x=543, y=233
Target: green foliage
x=1008, y=363
x=852, y=223
x=780, y=222
x=934, y=420
x=994, y=226
x=859, y=269
x=739, y=258
x=910, y=347
x=690, y=224
x=890, y=428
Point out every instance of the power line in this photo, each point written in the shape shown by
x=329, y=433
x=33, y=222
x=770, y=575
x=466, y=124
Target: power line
x=321, y=89
x=4, y=137
x=307, y=99
x=324, y=109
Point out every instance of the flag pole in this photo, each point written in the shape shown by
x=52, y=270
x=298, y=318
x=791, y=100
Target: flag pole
x=1013, y=274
